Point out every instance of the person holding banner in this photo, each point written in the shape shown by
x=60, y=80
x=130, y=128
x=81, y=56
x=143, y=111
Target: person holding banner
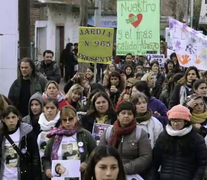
x=184, y=87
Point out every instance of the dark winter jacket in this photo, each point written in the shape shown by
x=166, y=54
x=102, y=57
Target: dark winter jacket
x=89, y=120
x=51, y=71
x=29, y=166
x=30, y=119
x=165, y=97
x=158, y=109
x=177, y=163
x=37, y=84
x=156, y=91
x=82, y=136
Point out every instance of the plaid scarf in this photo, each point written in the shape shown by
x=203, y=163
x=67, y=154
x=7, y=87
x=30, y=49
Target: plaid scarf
x=59, y=133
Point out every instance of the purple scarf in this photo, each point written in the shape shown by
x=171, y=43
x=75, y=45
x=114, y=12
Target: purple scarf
x=59, y=133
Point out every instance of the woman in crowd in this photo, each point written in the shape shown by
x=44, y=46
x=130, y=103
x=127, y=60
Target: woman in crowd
x=131, y=141
x=154, y=67
x=69, y=132
x=125, y=95
x=129, y=71
x=158, y=109
x=78, y=78
x=35, y=107
x=115, y=86
x=179, y=150
x=90, y=74
x=150, y=78
x=145, y=119
x=197, y=107
x=200, y=88
x=110, y=68
x=19, y=151
x=101, y=111
x=105, y=163
x=139, y=70
x=52, y=90
x=47, y=120
x=74, y=95
x=184, y=87
x=169, y=67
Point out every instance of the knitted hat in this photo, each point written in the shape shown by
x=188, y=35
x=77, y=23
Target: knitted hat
x=179, y=112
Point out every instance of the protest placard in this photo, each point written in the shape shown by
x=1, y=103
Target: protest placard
x=95, y=45
x=138, y=28
x=66, y=170
x=160, y=58
x=189, y=45
x=98, y=131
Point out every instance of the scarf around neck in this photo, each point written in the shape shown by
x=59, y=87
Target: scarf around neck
x=119, y=131
x=59, y=133
x=179, y=133
x=46, y=125
x=59, y=97
x=144, y=117
x=199, y=118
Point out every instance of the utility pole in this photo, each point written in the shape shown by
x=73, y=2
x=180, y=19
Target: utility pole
x=97, y=23
x=191, y=12
x=24, y=28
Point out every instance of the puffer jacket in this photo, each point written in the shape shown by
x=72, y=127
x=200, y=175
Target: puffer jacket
x=179, y=165
x=136, y=156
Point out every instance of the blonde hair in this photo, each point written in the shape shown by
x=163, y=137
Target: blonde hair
x=75, y=87
x=52, y=82
x=147, y=76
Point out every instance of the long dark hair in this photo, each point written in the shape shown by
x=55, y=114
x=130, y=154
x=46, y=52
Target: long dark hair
x=99, y=153
x=143, y=87
x=9, y=109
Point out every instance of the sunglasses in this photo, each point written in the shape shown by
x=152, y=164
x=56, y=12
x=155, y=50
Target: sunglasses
x=68, y=119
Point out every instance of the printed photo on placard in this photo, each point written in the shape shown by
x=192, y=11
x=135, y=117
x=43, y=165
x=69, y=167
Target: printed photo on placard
x=10, y=157
x=70, y=151
x=69, y=169
x=43, y=142
x=98, y=131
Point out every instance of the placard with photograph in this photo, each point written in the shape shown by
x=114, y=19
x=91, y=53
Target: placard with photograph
x=70, y=151
x=66, y=170
x=98, y=131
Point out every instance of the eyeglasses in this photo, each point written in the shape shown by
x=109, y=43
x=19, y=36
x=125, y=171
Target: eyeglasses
x=68, y=119
x=176, y=121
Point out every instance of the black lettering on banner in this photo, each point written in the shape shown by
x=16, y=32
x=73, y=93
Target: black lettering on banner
x=95, y=59
x=87, y=43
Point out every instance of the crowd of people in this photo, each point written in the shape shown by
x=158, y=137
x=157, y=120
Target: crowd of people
x=138, y=120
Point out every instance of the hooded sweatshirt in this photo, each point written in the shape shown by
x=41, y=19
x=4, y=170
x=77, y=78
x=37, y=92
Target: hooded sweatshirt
x=45, y=127
x=30, y=119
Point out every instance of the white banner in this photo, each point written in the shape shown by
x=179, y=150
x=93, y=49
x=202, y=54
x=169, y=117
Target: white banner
x=189, y=45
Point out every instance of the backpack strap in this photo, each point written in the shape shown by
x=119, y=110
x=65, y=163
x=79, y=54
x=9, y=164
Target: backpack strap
x=138, y=133
x=108, y=133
